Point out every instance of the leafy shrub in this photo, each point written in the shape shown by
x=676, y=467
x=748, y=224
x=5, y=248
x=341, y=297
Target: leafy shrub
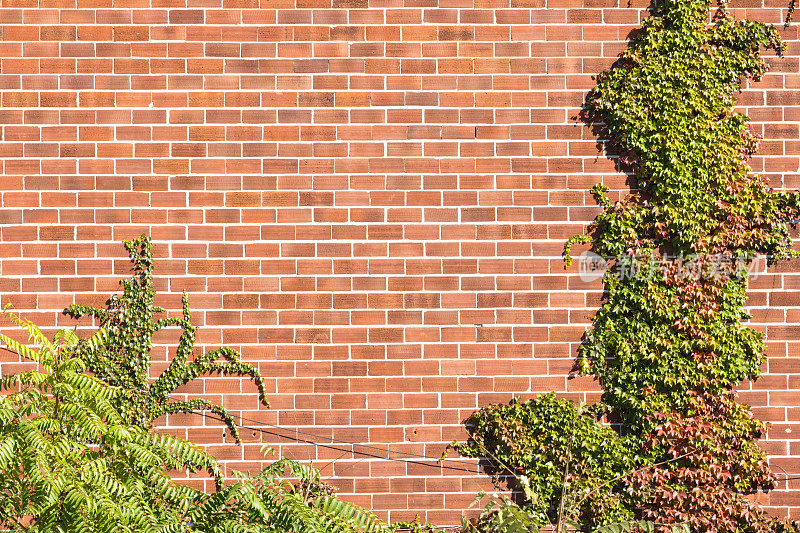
x=415, y=526
x=501, y=515
x=69, y=462
x=270, y=503
x=77, y=453
x=705, y=458
x=547, y=445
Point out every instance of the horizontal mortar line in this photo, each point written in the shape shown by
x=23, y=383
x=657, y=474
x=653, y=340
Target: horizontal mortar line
x=400, y=257
x=335, y=274
x=571, y=275
x=322, y=10
x=461, y=176
x=329, y=240
x=306, y=142
x=430, y=258
x=614, y=44
x=460, y=342
x=386, y=324
x=419, y=343
x=384, y=292
x=287, y=274
x=270, y=174
x=306, y=26
x=557, y=292
x=460, y=140
x=384, y=310
x=413, y=140
x=211, y=277
x=542, y=241
x=321, y=242
x=273, y=90
x=270, y=92
x=398, y=447
x=262, y=174
x=298, y=124
x=418, y=54
x=298, y=107
x=291, y=275
x=101, y=178
x=315, y=274
x=234, y=70
x=427, y=343
x=281, y=277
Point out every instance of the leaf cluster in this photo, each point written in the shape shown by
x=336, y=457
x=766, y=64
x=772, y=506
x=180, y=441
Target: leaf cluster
x=71, y=462
x=552, y=449
x=502, y=515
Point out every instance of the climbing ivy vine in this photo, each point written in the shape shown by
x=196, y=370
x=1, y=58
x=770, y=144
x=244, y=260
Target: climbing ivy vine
x=668, y=345
x=124, y=360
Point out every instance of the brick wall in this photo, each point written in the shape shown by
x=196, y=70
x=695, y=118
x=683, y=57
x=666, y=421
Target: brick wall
x=367, y=198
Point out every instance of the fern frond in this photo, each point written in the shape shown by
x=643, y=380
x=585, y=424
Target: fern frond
x=96, y=341
x=353, y=516
x=65, y=337
x=21, y=349
x=34, y=333
x=23, y=379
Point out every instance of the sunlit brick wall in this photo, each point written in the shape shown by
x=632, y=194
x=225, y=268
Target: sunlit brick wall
x=368, y=198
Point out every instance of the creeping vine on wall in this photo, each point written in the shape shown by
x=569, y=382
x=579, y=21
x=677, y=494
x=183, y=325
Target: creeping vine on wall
x=124, y=360
x=668, y=345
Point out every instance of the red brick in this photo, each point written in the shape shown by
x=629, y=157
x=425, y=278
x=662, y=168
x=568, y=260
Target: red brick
x=370, y=203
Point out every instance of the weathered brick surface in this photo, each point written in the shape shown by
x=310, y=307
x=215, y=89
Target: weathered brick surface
x=367, y=197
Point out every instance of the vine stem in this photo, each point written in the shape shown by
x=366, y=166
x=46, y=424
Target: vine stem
x=560, y=522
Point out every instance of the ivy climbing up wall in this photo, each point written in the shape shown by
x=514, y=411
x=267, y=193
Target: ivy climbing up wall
x=668, y=345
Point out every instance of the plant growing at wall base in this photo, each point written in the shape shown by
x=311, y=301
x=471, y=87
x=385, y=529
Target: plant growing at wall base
x=553, y=451
x=69, y=462
x=124, y=360
x=668, y=345
x=501, y=515
x=285, y=497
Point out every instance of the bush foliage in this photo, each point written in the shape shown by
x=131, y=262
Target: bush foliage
x=536, y=440
x=77, y=453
